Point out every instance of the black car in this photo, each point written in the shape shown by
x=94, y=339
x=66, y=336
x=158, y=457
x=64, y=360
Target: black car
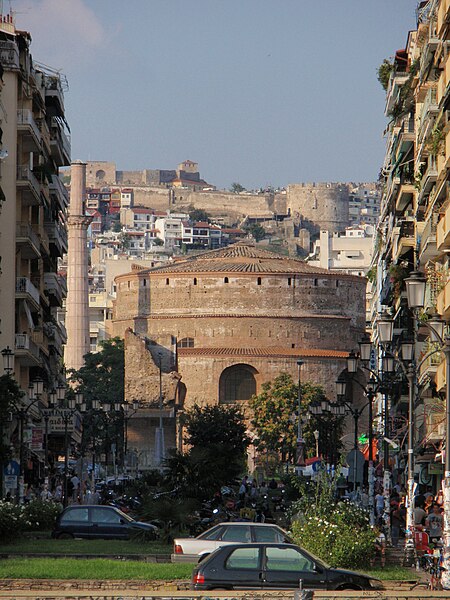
x=95, y=522
x=273, y=566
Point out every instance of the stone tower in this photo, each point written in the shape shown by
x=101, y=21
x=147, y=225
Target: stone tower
x=77, y=303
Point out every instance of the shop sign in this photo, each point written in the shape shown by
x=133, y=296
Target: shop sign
x=37, y=439
x=435, y=468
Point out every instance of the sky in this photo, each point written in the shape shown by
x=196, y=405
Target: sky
x=260, y=92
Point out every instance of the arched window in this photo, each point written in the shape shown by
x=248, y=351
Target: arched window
x=186, y=342
x=237, y=383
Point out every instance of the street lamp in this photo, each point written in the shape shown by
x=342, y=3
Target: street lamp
x=373, y=386
x=8, y=359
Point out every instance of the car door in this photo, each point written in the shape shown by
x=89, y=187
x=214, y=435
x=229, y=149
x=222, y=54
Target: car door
x=75, y=520
x=241, y=569
x=284, y=566
x=107, y=523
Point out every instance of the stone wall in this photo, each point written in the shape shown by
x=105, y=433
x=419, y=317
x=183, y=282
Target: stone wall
x=319, y=206
x=141, y=294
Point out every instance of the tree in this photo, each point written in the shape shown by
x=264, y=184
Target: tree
x=102, y=378
x=217, y=426
x=384, y=73
x=218, y=439
x=236, y=188
x=197, y=214
x=275, y=419
x=257, y=231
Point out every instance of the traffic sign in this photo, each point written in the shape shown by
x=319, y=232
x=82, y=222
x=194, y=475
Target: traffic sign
x=12, y=467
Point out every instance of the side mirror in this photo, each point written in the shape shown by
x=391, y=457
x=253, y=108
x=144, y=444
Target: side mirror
x=317, y=569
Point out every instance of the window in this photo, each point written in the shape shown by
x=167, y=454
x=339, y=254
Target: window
x=186, y=342
x=237, y=384
x=100, y=515
x=268, y=534
x=259, y=280
x=316, y=282
x=243, y=558
x=238, y=533
x=225, y=279
x=289, y=281
x=214, y=534
x=195, y=280
x=144, y=283
x=287, y=559
x=167, y=281
x=75, y=514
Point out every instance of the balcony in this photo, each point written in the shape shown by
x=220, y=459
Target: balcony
x=26, y=290
x=55, y=288
x=58, y=189
x=405, y=194
x=429, y=178
x=27, y=241
x=404, y=239
x=443, y=17
x=443, y=301
x=57, y=337
x=430, y=365
x=59, y=143
x=54, y=97
x=434, y=414
x=441, y=377
x=26, y=350
x=39, y=337
x=57, y=235
x=406, y=135
x=443, y=231
x=29, y=130
x=28, y=184
x=427, y=249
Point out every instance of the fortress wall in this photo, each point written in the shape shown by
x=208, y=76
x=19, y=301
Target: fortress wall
x=321, y=205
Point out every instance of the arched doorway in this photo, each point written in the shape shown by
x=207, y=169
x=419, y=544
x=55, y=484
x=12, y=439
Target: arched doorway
x=237, y=384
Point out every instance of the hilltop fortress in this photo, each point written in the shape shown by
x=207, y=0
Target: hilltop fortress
x=306, y=208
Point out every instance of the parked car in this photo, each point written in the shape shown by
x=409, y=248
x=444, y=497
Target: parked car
x=99, y=522
x=196, y=549
x=273, y=566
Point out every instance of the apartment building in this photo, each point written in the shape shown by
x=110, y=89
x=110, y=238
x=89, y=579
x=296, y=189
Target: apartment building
x=33, y=201
x=414, y=227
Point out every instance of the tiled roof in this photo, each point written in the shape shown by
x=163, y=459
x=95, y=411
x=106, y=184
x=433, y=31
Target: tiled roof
x=264, y=352
x=243, y=257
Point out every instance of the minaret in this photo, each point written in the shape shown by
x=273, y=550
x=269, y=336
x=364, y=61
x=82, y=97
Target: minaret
x=77, y=302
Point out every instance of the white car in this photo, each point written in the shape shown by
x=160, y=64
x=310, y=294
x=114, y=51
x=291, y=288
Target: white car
x=194, y=550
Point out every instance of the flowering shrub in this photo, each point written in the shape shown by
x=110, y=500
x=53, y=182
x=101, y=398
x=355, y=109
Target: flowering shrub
x=38, y=515
x=336, y=531
x=11, y=521
x=35, y=515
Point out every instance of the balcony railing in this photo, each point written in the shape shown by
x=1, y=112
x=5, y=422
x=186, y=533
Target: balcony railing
x=24, y=230
x=24, y=342
x=59, y=188
x=25, y=117
x=24, y=173
x=24, y=286
x=57, y=234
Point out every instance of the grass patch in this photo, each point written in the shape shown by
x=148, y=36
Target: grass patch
x=72, y=568
x=391, y=572
x=98, y=547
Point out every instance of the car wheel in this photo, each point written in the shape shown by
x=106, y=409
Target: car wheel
x=65, y=536
x=348, y=588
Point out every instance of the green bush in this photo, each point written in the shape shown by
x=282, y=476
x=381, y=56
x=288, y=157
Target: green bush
x=343, y=538
x=38, y=515
x=11, y=521
x=336, y=531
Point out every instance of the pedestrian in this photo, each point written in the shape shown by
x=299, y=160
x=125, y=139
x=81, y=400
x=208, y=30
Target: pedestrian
x=273, y=485
x=76, y=487
x=397, y=522
x=419, y=515
x=46, y=494
x=29, y=494
x=434, y=524
x=379, y=503
x=243, y=492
